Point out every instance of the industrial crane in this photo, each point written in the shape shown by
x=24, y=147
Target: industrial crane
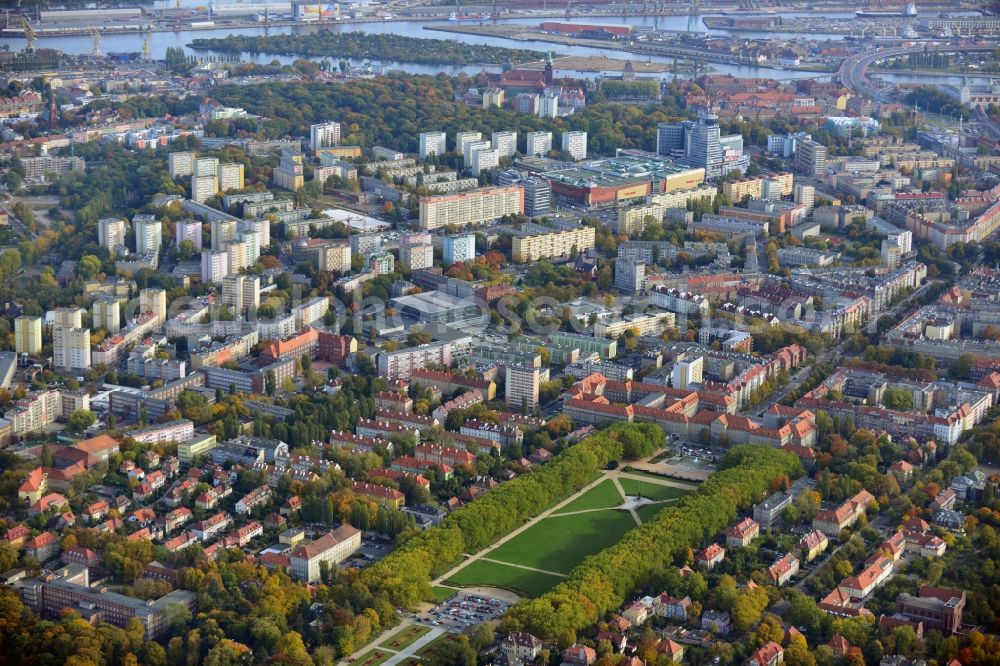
x=29, y=33
x=147, y=42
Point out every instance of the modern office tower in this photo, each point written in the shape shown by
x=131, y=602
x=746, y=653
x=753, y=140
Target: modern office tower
x=458, y=248
x=548, y=105
x=462, y=137
x=70, y=341
x=484, y=160
x=28, y=334
x=432, y=143
x=687, y=372
x=188, y=230
x=288, y=174
x=810, y=158
x=805, y=195
x=416, y=255
x=148, y=234
x=630, y=275
x=539, y=144
x=241, y=291
x=470, y=148
x=382, y=263
x=180, y=164
x=473, y=207
x=366, y=244
x=670, y=138
x=784, y=145
x=505, y=142
x=204, y=187
x=214, y=265
x=324, y=135
x=703, y=147
x=154, y=300
x=222, y=232
x=230, y=177
x=521, y=387
x=111, y=233
x=575, y=144
x=106, y=314
x=537, y=196
x=493, y=97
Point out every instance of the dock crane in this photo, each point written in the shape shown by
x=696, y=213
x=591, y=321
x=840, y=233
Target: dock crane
x=29, y=34
x=147, y=44
x=96, y=36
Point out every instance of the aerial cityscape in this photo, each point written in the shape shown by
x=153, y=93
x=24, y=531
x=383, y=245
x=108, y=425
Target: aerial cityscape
x=519, y=333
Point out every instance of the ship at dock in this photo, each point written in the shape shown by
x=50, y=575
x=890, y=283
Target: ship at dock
x=909, y=12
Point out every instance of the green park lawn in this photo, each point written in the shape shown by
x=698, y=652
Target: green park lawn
x=490, y=574
x=559, y=543
x=647, y=512
x=373, y=657
x=651, y=489
x=442, y=593
x=602, y=496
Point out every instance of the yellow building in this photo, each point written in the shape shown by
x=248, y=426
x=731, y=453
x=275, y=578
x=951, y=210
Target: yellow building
x=551, y=243
x=28, y=335
x=493, y=97
x=200, y=445
x=632, y=220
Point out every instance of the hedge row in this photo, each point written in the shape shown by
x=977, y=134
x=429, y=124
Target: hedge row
x=603, y=581
x=405, y=575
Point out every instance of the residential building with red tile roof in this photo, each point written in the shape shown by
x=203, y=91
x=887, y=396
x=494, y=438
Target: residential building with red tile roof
x=782, y=571
x=833, y=522
x=874, y=573
x=43, y=547
x=770, y=654
x=381, y=495
x=709, y=556
x=742, y=533
x=813, y=544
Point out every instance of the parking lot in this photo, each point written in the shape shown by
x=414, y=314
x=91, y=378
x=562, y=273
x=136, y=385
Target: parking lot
x=463, y=611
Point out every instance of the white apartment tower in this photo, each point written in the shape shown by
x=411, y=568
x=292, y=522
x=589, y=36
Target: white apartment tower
x=521, y=387
x=187, y=230
x=575, y=144
x=432, y=143
x=180, y=164
x=148, y=234
x=106, y=314
x=505, y=142
x=214, y=265
x=324, y=135
x=241, y=291
x=230, y=177
x=461, y=138
x=539, y=144
x=111, y=233
x=70, y=341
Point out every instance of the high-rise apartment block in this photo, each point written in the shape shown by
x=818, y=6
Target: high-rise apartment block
x=810, y=158
x=324, y=135
x=417, y=255
x=111, y=233
x=484, y=159
x=538, y=144
x=204, y=187
x=241, y=291
x=432, y=143
x=70, y=341
x=462, y=138
x=521, y=387
x=106, y=314
x=575, y=144
x=458, y=248
x=470, y=149
x=155, y=301
x=180, y=164
x=630, y=275
x=537, y=196
x=214, y=265
x=230, y=177
x=28, y=334
x=505, y=142
x=187, y=230
x=148, y=234
x=289, y=172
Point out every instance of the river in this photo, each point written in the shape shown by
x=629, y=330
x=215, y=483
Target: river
x=162, y=40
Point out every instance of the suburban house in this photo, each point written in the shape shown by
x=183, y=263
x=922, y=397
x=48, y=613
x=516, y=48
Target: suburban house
x=782, y=571
x=813, y=544
x=710, y=556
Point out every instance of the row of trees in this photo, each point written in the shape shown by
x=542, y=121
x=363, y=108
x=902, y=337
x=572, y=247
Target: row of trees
x=603, y=581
